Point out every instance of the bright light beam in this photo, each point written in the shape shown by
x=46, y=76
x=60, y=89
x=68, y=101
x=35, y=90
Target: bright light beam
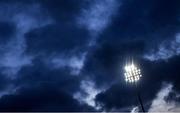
x=132, y=73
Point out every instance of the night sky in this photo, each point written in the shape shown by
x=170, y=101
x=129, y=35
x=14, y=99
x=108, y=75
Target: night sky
x=69, y=55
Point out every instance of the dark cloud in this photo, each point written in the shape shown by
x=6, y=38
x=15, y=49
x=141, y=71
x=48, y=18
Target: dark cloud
x=150, y=20
x=63, y=11
x=42, y=89
x=7, y=29
x=39, y=74
x=56, y=38
x=46, y=40
x=4, y=82
x=45, y=98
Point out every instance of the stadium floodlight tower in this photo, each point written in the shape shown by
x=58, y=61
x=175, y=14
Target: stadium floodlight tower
x=132, y=75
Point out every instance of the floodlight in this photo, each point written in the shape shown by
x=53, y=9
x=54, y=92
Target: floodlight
x=132, y=73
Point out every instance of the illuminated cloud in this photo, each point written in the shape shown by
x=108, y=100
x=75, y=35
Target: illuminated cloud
x=166, y=50
x=13, y=56
x=98, y=15
x=135, y=110
x=89, y=93
x=74, y=63
x=160, y=104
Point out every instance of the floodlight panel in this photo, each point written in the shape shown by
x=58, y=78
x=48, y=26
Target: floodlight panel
x=132, y=73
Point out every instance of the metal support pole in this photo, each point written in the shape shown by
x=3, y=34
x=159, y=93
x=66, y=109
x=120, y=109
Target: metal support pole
x=140, y=101
x=139, y=98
